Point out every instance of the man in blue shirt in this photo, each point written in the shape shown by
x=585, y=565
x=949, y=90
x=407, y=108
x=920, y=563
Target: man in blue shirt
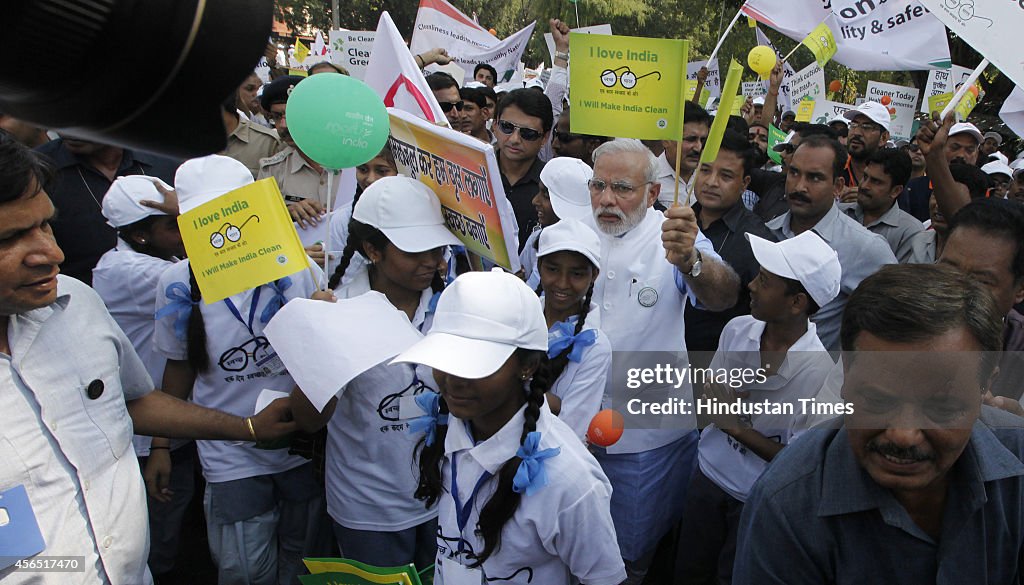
x=921, y=483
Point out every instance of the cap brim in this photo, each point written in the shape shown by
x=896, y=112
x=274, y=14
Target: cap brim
x=569, y=247
x=770, y=257
x=973, y=133
x=421, y=238
x=456, y=355
x=565, y=209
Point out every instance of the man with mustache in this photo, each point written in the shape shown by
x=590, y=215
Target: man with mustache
x=885, y=174
x=814, y=180
x=868, y=132
x=652, y=264
x=696, y=125
x=919, y=483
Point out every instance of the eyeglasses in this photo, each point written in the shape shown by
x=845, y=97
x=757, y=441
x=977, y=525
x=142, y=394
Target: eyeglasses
x=447, y=106
x=229, y=232
x=627, y=78
x=527, y=134
x=619, y=188
x=865, y=126
x=237, y=359
x=566, y=137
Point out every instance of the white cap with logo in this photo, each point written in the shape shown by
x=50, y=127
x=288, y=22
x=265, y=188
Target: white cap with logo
x=408, y=213
x=480, y=320
x=806, y=258
x=122, y=204
x=567, y=181
x=967, y=128
x=572, y=236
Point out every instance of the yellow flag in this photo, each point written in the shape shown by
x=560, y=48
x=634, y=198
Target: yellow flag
x=241, y=240
x=821, y=43
x=725, y=108
x=301, y=51
x=805, y=111
x=751, y=22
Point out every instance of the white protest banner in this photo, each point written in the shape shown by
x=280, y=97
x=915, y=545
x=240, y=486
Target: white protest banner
x=263, y=70
x=825, y=110
x=942, y=81
x=714, y=82
x=752, y=89
x=808, y=82
x=351, y=49
x=439, y=24
x=871, y=35
x=504, y=56
x=597, y=29
x=784, y=99
x=1012, y=112
x=991, y=28
x=394, y=75
x=902, y=106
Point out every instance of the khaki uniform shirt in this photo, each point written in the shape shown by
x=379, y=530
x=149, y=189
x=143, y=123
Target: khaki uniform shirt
x=251, y=142
x=295, y=177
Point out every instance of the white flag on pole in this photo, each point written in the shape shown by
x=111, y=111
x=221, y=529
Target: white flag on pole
x=393, y=74
x=439, y=24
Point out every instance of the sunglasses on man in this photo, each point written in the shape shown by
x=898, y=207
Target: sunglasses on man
x=527, y=134
x=447, y=106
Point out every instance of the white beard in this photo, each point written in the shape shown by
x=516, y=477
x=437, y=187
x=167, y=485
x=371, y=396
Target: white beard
x=626, y=221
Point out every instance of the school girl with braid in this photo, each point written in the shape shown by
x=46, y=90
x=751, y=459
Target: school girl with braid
x=520, y=499
x=579, y=354
x=398, y=230
x=263, y=506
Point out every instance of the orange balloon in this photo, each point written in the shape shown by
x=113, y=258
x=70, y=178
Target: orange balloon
x=973, y=89
x=836, y=85
x=886, y=100
x=605, y=428
x=492, y=31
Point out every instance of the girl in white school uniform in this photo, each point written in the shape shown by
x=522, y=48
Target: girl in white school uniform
x=262, y=505
x=520, y=499
x=579, y=355
x=397, y=228
x=126, y=276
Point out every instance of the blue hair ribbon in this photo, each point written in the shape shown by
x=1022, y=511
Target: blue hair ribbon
x=578, y=342
x=278, y=300
x=430, y=403
x=531, y=477
x=181, y=303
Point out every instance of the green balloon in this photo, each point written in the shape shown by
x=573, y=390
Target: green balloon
x=336, y=120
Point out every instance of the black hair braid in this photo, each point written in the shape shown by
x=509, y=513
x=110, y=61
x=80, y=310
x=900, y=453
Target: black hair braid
x=339, y=270
x=430, y=484
x=504, y=503
x=540, y=286
x=195, y=342
x=358, y=233
x=437, y=284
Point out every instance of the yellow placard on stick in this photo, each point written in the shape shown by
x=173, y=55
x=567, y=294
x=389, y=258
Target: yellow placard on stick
x=691, y=88
x=725, y=109
x=938, y=103
x=241, y=240
x=822, y=43
x=629, y=87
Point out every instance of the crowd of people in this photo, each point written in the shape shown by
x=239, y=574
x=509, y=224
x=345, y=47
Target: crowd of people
x=884, y=276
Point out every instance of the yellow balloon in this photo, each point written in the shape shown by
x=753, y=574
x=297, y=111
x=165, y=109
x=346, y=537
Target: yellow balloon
x=762, y=60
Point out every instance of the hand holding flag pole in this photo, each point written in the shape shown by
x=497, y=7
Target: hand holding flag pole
x=964, y=87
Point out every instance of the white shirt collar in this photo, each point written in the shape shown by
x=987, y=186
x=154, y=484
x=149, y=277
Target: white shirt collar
x=495, y=451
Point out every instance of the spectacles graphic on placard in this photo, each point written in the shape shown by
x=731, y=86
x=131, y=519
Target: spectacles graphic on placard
x=229, y=233
x=627, y=78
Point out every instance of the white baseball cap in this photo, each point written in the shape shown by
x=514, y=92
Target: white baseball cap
x=967, y=128
x=534, y=82
x=572, y=236
x=474, y=85
x=874, y=111
x=1017, y=166
x=998, y=156
x=997, y=167
x=122, y=204
x=806, y=258
x=566, y=179
x=995, y=136
x=481, y=318
x=758, y=101
x=839, y=118
x=408, y=213
x=201, y=180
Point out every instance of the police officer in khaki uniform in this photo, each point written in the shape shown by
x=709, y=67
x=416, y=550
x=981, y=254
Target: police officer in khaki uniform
x=248, y=143
x=302, y=181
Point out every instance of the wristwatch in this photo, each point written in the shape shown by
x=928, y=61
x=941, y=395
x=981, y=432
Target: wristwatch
x=697, y=265
x=561, y=55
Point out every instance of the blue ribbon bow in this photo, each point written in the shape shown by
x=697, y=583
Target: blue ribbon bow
x=432, y=303
x=531, y=477
x=278, y=300
x=430, y=403
x=578, y=342
x=181, y=303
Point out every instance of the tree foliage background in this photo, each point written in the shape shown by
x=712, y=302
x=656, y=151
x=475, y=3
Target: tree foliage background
x=701, y=21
